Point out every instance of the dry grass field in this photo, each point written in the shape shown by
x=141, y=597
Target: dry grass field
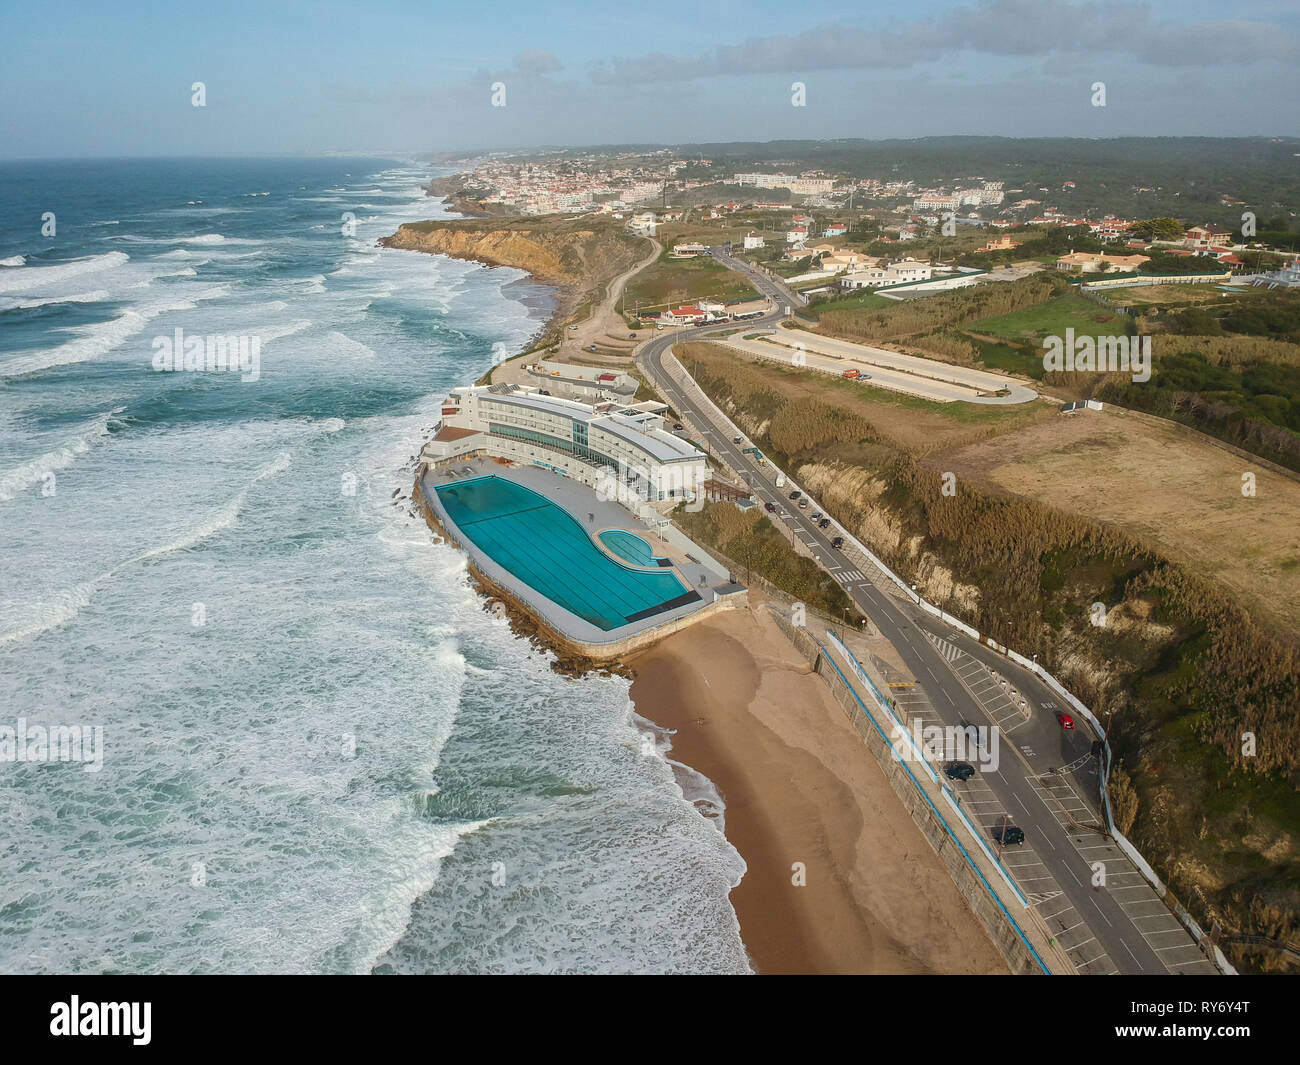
x=1177, y=489
x=1169, y=485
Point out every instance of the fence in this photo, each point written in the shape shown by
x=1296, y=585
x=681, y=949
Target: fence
x=1134, y=855
x=874, y=728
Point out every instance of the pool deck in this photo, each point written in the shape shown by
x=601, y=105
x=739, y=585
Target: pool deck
x=594, y=515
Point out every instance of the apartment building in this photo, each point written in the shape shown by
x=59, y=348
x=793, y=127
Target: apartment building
x=589, y=442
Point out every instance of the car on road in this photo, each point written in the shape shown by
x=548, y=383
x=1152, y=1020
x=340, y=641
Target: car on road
x=769, y=508
x=1066, y=721
x=795, y=494
x=1009, y=835
x=825, y=523
x=838, y=543
x=803, y=503
x=677, y=427
x=631, y=336
x=959, y=770
x=737, y=439
x=816, y=515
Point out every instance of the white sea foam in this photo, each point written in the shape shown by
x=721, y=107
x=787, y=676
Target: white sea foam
x=94, y=341
x=23, y=278
x=60, y=457
x=17, y=303
x=63, y=605
x=13, y=260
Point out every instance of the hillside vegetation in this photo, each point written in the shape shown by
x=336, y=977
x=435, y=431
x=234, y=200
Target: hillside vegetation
x=1183, y=673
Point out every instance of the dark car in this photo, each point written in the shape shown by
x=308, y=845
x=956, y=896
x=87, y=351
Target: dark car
x=769, y=508
x=795, y=495
x=959, y=771
x=837, y=543
x=825, y=523
x=631, y=336
x=1009, y=835
x=677, y=427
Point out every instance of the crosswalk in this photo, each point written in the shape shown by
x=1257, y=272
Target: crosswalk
x=948, y=651
x=848, y=576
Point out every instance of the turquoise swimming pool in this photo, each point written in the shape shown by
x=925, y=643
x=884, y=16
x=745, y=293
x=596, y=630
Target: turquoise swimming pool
x=629, y=547
x=543, y=545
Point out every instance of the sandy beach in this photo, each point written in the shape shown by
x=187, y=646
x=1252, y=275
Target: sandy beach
x=800, y=787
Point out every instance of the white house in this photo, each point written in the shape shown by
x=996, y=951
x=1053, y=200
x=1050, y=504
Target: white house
x=643, y=224
x=752, y=241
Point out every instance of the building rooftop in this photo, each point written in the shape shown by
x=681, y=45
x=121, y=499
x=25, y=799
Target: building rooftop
x=635, y=426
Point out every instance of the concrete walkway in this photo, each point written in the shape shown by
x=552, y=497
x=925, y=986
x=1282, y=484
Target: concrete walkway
x=938, y=381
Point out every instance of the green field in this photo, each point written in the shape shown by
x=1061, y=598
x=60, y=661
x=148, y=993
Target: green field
x=1013, y=358
x=864, y=297
x=669, y=282
x=1052, y=318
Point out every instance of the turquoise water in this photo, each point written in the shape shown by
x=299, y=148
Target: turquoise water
x=628, y=546
x=545, y=547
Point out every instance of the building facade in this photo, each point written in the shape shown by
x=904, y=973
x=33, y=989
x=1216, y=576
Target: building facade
x=605, y=445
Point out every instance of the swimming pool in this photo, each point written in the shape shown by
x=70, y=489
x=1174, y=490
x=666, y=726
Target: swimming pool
x=629, y=547
x=543, y=545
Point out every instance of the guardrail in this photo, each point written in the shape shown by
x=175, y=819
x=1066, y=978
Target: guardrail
x=947, y=828
x=1121, y=841
x=917, y=755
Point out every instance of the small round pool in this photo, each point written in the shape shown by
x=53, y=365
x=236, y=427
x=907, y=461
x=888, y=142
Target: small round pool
x=629, y=547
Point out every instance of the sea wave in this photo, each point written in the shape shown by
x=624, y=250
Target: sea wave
x=96, y=340
x=22, y=278
x=17, y=303
x=29, y=473
x=64, y=605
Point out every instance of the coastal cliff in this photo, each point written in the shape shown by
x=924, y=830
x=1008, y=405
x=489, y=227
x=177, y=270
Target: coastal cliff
x=558, y=250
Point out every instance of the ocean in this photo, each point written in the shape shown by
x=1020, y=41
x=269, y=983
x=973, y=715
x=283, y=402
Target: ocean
x=320, y=753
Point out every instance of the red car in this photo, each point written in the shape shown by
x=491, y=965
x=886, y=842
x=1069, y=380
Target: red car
x=1067, y=722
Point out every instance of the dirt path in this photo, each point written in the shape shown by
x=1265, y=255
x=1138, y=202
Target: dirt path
x=603, y=319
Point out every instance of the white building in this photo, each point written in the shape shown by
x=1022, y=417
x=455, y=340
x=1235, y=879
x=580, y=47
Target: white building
x=752, y=241
x=1287, y=277
x=898, y=273
x=643, y=224
x=602, y=445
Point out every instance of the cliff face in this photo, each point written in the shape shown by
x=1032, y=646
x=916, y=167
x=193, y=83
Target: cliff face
x=523, y=250
x=571, y=253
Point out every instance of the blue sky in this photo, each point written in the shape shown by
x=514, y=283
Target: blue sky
x=82, y=79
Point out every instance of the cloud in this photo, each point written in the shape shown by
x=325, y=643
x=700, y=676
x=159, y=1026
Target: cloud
x=1021, y=28
x=535, y=62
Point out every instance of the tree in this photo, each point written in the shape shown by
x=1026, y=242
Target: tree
x=1159, y=229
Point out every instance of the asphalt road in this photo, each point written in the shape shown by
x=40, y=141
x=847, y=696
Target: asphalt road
x=1049, y=745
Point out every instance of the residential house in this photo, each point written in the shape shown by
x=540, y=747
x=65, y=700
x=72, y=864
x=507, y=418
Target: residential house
x=1084, y=262
x=1202, y=238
